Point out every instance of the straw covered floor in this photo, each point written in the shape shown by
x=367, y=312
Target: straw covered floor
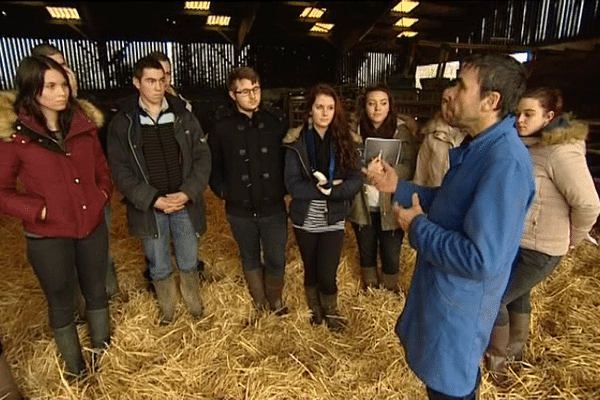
x=235, y=353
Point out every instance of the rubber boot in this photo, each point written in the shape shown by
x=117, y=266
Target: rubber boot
x=390, y=282
x=99, y=323
x=112, y=284
x=519, y=332
x=273, y=292
x=369, y=277
x=8, y=388
x=69, y=348
x=314, y=304
x=166, y=292
x=497, y=353
x=333, y=320
x=189, y=283
x=256, y=286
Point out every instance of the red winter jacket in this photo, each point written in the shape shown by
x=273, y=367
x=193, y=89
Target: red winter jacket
x=73, y=183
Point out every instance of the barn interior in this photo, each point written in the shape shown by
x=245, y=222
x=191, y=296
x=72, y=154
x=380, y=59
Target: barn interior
x=234, y=353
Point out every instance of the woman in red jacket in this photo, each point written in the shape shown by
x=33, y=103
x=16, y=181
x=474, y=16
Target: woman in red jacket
x=49, y=142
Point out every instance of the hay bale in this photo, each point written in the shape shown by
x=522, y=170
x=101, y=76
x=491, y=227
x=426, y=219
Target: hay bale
x=236, y=353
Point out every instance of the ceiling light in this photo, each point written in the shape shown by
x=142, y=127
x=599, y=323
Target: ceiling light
x=63, y=12
x=406, y=22
x=321, y=27
x=405, y=6
x=311, y=12
x=197, y=5
x=220, y=20
x=408, y=34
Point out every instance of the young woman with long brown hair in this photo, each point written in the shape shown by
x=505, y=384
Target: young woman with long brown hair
x=322, y=175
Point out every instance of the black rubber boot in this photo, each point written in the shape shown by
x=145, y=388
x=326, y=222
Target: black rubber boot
x=329, y=306
x=99, y=323
x=312, y=299
x=69, y=348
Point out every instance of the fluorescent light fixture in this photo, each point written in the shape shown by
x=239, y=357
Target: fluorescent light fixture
x=312, y=12
x=220, y=20
x=321, y=27
x=522, y=57
x=197, y=5
x=63, y=12
x=405, y=22
x=408, y=34
x=405, y=6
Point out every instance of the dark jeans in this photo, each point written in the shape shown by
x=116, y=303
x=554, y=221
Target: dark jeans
x=433, y=395
x=60, y=262
x=270, y=232
x=321, y=256
x=532, y=268
x=369, y=237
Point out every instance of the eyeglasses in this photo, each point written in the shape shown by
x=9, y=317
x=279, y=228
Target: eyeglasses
x=246, y=92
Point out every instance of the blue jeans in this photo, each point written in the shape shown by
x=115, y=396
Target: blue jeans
x=270, y=232
x=532, y=268
x=158, y=250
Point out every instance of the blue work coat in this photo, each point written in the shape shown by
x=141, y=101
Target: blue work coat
x=466, y=244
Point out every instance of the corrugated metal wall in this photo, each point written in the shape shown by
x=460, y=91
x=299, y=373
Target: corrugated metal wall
x=528, y=22
x=203, y=65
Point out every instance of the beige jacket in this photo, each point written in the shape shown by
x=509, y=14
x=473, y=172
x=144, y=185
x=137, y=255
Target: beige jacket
x=359, y=213
x=432, y=160
x=566, y=204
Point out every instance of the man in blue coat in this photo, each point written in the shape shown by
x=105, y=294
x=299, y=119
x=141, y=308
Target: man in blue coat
x=466, y=231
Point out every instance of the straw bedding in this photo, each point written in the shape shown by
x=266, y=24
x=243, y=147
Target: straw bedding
x=236, y=353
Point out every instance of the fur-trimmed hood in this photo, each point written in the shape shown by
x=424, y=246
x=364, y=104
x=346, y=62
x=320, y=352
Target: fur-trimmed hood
x=8, y=116
x=566, y=130
x=294, y=133
x=562, y=130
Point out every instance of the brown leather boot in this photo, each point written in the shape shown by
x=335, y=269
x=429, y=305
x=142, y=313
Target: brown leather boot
x=390, y=282
x=369, y=277
x=519, y=332
x=497, y=353
x=8, y=387
x=274, y=292
x=256, y=286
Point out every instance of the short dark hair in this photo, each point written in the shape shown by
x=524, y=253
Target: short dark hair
x=499, y=73
x=46, y=50
x=160, y=56
x=241, y=73
x=29, y=81
x=144, y=63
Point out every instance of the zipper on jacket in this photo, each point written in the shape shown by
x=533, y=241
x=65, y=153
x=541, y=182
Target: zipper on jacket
x=133, y=148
